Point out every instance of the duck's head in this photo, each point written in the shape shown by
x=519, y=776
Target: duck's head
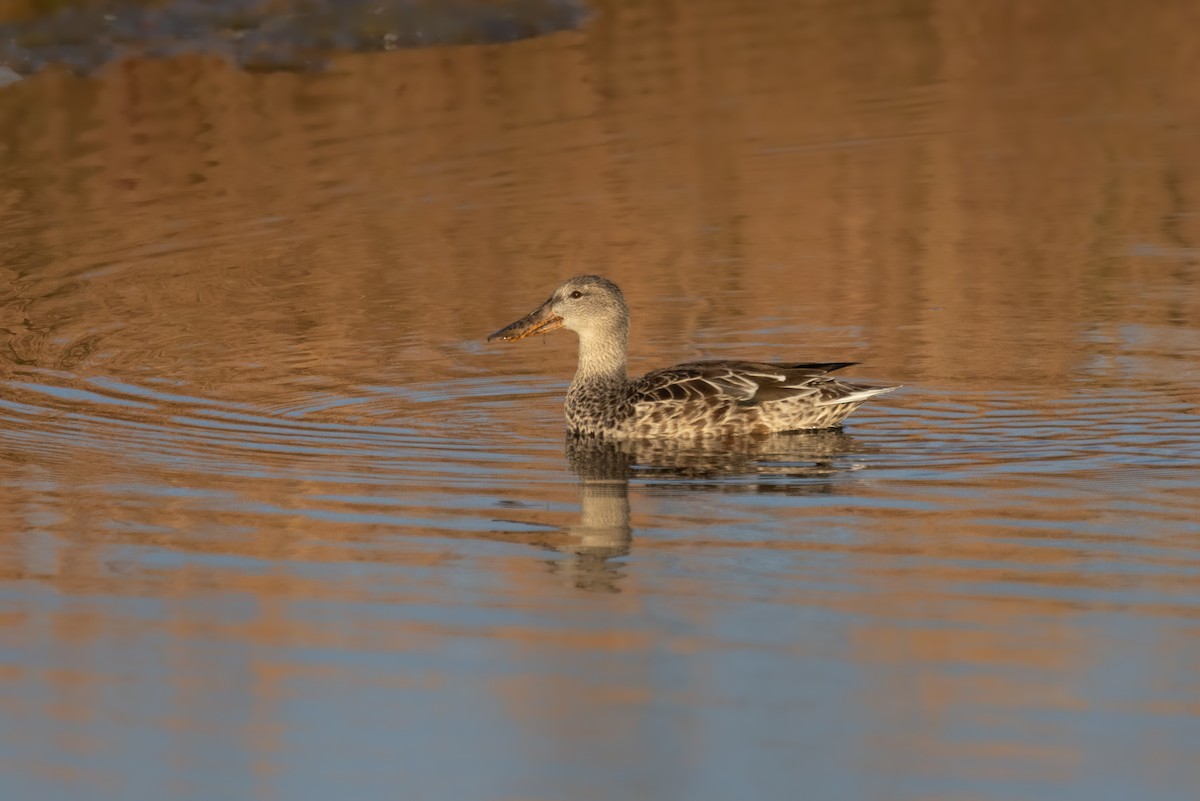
x=585, y=304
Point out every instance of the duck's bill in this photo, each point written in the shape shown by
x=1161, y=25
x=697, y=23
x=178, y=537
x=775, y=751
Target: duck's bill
x=539, y=321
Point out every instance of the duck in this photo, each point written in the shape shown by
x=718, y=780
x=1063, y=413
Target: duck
x=689, y=400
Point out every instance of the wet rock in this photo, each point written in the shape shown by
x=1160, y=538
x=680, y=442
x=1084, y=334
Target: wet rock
x=270, y=34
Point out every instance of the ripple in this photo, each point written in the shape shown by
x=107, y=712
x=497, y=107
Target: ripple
x=153, y=426
x=1088, y=500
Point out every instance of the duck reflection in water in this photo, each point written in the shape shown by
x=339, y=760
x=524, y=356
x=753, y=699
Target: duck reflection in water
x=806, y=463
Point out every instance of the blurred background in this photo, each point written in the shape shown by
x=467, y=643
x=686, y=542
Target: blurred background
x=276, y=523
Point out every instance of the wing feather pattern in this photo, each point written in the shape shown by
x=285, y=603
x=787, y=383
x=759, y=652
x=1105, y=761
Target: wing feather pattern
x=743, y=382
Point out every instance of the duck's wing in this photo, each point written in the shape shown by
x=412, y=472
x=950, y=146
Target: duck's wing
x=742, y=382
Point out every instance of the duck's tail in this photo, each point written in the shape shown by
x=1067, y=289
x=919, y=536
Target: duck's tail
x=839, y=392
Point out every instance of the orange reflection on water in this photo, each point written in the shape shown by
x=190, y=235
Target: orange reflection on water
x=276, y=523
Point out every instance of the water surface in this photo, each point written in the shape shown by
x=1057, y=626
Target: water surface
x=276, y=523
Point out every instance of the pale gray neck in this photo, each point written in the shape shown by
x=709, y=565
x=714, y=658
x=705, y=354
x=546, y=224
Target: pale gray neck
x=602, y=353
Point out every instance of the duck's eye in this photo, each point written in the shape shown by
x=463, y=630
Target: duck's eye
x=576, y=295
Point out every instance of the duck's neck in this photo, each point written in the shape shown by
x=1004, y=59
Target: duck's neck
x=602, y=355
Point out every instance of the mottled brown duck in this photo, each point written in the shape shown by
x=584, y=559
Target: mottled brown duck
x=708, y=398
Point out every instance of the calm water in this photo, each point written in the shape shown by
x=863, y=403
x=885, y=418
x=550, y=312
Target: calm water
x=275, y=523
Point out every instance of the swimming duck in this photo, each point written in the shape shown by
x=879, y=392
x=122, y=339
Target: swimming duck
x=707, y=398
